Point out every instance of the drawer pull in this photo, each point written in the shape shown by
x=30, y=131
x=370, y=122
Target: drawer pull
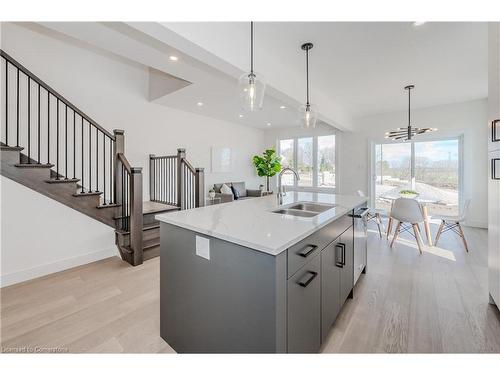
x=494, y=169
x=341, y=247
x=495, y=134
x=310, y=277
x=306, y=251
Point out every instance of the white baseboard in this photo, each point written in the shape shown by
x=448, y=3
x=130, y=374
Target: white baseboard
x=60, y=265
x=476, y=224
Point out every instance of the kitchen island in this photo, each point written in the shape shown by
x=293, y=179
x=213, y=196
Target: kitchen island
x=254, y=276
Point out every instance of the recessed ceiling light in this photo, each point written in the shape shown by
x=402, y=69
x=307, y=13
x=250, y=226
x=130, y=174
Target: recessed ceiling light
x=240, y=116
x=199, y=104
x=282, y=107
x=419, y=23
x=173, y=58
x=268, y=124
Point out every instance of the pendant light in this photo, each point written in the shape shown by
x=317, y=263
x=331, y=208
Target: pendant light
x=251, y=88
x=406, y=134
x=307, y=113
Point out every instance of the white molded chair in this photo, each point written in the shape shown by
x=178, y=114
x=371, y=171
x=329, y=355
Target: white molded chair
x=406, y=210
x=453, y=223
x=374, y=215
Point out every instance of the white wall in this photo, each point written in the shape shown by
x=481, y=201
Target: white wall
x=467, y=119
x=41, y=236
x=114, y=93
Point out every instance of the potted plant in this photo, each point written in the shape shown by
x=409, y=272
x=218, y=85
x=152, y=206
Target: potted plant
x=211, y=193
x=410, y=194
x=267, y=165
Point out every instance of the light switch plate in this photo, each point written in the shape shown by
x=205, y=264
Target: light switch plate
x=203, y=247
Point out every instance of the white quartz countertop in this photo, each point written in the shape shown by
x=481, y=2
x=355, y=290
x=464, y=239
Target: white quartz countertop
x=251, y=223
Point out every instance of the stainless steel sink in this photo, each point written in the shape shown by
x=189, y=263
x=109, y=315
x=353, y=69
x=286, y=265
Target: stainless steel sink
x=304, y=209
x=314, y=207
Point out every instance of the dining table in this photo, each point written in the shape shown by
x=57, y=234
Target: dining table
x=424, y=203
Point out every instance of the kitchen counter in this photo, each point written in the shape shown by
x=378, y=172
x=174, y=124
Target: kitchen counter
x=251, y=223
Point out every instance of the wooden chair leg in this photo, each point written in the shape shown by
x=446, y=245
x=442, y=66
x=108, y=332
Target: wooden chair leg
x=463, y=237
x=416, y=230
x=396, y=234
x=379, y=223
x=440, y=230
x=389, y=227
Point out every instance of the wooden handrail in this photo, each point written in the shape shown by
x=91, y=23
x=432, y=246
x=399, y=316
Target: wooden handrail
x=125, y=162
x=188, y=164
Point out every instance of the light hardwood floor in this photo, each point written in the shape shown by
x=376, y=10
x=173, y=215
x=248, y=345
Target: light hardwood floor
x=406, y=302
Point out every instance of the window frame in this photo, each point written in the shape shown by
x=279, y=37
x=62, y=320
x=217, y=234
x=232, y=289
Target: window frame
x=315, y=167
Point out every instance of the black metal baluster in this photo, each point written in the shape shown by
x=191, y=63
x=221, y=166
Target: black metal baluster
x=38, y=123
x=57, y=140
x=66, y=142
x=112, y=192
x=104, y=165
x=29, y=120
x=83, y=170
x=90, y=158
x=96, y=159
x=48, y=127
x=74, y=144
x=17, y=107
x=6, y=102
x=123, y=196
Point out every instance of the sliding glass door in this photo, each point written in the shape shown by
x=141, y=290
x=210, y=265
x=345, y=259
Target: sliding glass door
x=432, y=169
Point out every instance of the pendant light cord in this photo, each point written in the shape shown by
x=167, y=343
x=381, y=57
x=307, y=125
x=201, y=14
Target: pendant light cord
x=307, y=76
x=251, y=47
x=409, y=107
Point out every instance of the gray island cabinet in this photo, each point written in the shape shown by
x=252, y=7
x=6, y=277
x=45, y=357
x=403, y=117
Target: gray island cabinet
x=219, y=296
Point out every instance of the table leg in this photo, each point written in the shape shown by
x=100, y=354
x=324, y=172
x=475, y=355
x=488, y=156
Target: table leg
x=426, y=224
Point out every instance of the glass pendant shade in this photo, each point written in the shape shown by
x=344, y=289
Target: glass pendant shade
x=251, y=88
x=308, y=116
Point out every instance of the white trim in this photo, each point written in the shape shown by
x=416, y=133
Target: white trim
x=57, y=266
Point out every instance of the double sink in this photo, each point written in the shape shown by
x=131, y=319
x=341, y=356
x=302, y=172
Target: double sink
x=304, y=209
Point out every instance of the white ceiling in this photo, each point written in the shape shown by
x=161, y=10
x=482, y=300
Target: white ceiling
x=357, y=69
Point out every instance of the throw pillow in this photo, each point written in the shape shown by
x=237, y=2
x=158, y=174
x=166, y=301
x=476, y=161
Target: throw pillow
x=236, y=194
x=225, y=189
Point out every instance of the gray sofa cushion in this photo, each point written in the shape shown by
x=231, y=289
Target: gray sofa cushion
x=240, y=188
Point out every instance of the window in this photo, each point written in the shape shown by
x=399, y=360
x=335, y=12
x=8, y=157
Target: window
x=431, y=168
x=313, y=158
x=326, y=161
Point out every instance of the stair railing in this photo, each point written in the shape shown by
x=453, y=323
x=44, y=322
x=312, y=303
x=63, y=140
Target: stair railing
x=129, y=197
x=174, y=181
x=54, y=132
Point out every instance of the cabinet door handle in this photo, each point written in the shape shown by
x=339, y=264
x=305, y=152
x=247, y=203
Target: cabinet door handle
x=495, y=137
x=494, y=169
x=306, y=281
x=307, y=250
x=340, y=246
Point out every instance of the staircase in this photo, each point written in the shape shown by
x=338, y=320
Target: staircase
x=52, y=147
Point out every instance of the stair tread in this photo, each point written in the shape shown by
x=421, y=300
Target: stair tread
x=33, y=165
x=11, y=148
x=109, y=205
x=149, y=207
x=145, y=227
x=87, y=194
x=61, y=180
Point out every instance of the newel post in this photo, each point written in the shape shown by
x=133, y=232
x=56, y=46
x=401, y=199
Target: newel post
x=136, y=214
x=152, y=176
x=200, y=187
x=181, y=154
x=119, y=148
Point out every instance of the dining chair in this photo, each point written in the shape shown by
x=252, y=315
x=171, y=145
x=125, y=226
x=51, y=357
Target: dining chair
x=453, y=223
x=374, y=215
x=407, y=211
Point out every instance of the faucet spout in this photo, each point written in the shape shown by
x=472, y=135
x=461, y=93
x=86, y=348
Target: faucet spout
x=281, y=191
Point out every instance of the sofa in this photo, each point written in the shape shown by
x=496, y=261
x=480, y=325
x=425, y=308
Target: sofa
x=240, y=187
